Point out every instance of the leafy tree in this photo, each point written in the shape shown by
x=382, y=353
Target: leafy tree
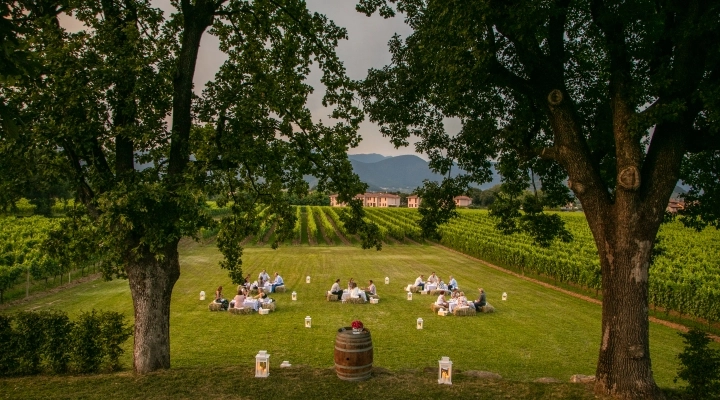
x=618, y=97
x=99, y=106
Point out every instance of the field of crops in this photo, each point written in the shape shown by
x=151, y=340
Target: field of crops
x=685, y=278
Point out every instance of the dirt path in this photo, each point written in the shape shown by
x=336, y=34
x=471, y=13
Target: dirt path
x=673, y=325
x=40, y=295
x=321, y=228
x=337, y=231
x=269, y=233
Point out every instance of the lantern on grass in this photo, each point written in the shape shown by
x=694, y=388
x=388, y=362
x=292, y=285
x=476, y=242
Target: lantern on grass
x=262, y=364
x=504, y=297
x=409, y=295
x=419, y=323
x=294, y=296
x=387, y=280
x=307, y=279
x=308, y=322
x=202, y=295
x=445, y=371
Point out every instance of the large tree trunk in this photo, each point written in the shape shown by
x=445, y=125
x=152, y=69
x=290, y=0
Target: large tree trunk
x=625, y=237
x=151, y=284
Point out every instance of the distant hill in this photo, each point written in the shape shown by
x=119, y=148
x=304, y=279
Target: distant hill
x=406, y=173
x=401, y=173
x=367, y=158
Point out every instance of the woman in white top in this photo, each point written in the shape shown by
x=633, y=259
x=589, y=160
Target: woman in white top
x=355, y=292
x=441, y=301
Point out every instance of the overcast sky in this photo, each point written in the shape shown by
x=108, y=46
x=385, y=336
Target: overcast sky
x=365, y=48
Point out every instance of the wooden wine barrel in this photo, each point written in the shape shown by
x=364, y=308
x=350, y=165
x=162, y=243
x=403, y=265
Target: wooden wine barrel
x=353, y=354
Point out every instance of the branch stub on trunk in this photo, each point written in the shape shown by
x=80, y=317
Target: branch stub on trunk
x=629, y=178
x=555, y=97
x=577, y=187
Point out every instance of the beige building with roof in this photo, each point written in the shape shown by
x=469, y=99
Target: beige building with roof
x=371, y=200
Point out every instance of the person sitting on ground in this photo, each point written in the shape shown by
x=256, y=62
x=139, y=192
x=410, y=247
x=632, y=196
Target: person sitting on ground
x=351, y=282
x=239, y=298
x=455, y=294
x=442, y=285
x=219, y=298
x=433, y=278
x=453, y=283
x=355, y=292
x=480, y=302
x=262, y=278
x=261, y=296
x=371, y=290
x=335, y=289
x=441, y=301
x=462, y=300
x=277, y=282
x=420, y=282
x=247, y=281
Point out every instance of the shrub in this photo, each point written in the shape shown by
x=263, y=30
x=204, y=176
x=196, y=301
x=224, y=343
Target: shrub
x=28, y=342
x=57, y=329
x=114, y=333
x=7, y=346
x=86, y=346
x=700, y=366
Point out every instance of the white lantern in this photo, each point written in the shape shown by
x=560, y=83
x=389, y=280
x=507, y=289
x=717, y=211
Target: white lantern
x=308, y=322
x=504, y=296
x=445, y=371
x=419, y=323
x=307, y=279
x=387, y=280
x=409, y=296
x=202, y=295
x=262, y=364
x=294, y=296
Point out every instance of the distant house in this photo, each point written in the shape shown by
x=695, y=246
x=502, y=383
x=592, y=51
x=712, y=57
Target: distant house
x=413, y=201
x=462, y=201
x=334, y=201
x=371, y=200
x=674, y=206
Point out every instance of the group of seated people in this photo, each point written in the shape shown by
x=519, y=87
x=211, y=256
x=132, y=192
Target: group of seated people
x=243, y=299
x=434, y=282
x=353, y=291
x=458, y=299
x=264, y=282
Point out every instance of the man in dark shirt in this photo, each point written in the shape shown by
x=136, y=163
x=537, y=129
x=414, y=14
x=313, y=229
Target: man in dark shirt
x=480, y=302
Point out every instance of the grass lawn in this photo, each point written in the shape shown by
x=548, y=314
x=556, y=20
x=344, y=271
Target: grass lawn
x=536, y=333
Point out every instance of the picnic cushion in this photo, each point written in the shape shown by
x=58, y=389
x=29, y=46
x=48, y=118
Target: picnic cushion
x=241, y=311
x=437, y=292
x=331, y=297
x=213, y=306
x=435, y=308
x=414, y=289
x=464, y=311
x=487, y=308
x=354, y=300
x=280, y=289
x=269, y=306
